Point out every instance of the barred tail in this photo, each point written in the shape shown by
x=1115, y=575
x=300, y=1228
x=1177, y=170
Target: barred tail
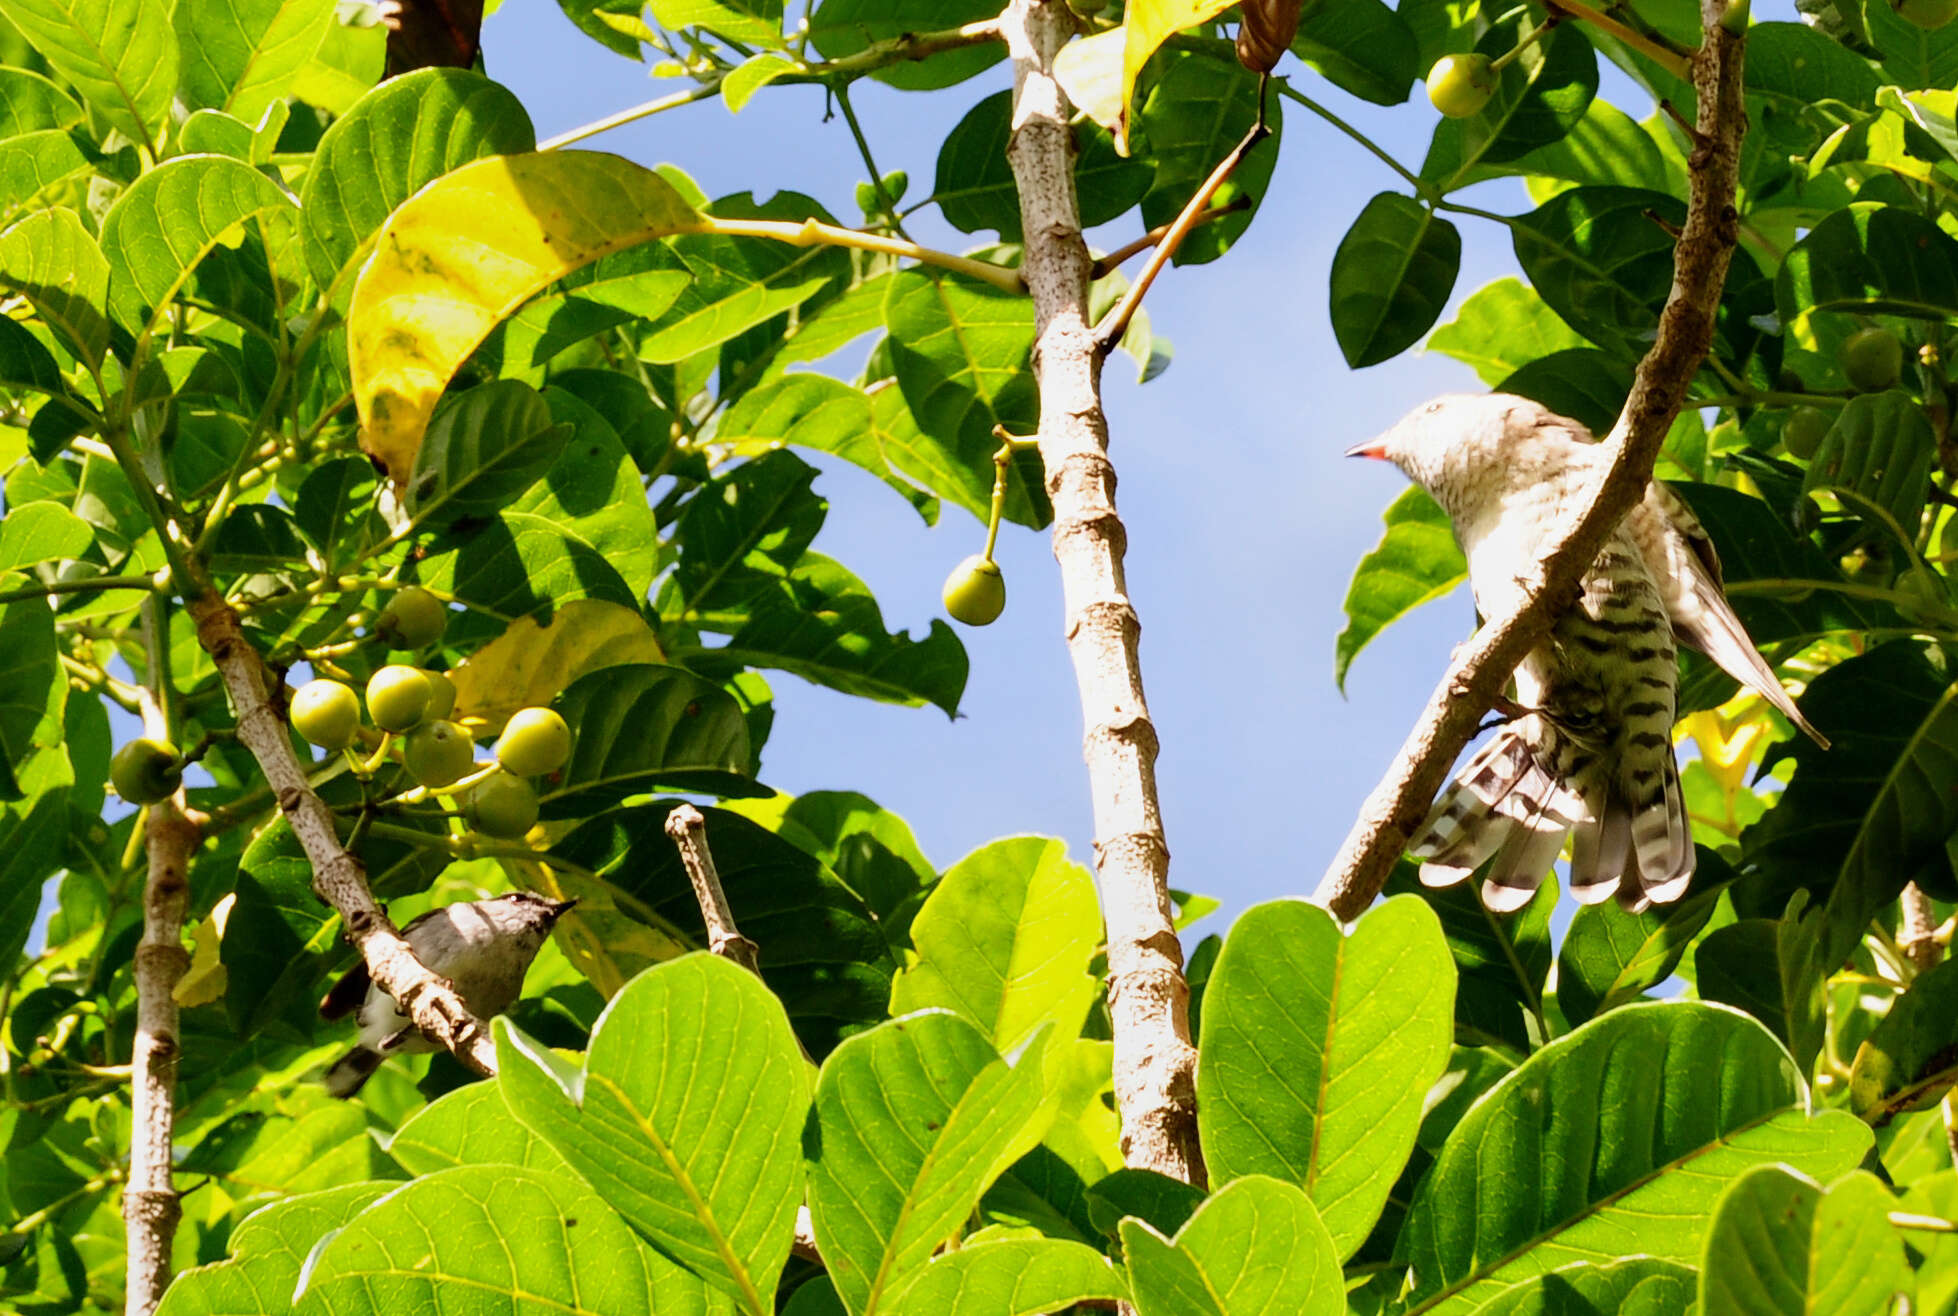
x=1502, y=803
x=347, y=1075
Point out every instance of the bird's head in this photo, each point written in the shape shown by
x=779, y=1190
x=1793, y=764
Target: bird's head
x=1462, y=447
x=526, y=914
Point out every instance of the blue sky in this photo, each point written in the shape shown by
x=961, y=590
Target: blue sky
x=1244, y=520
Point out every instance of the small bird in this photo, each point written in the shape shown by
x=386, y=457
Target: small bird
x=1590, y=747
x=484, y=947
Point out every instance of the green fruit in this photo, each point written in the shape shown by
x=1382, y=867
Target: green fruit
x=438, y=753
x=1872, y=360
x=145, y=771
x=398, y=698
x=1460, y=85
x=1925, y=586
x=441, y=694
x=502, y=806
x=975, y=592
x=326, y=713
x=534, y=742
x=1927, y=14
x=1803, y=432
x=414, y=619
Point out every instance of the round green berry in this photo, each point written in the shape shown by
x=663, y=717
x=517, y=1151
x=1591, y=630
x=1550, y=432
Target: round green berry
x=326, y=713
x=145, y=771
x=534, y=742
x=1460, y=85
x=502, y=806
x=414, y=619
x=438, y=753
x=1872, y=359
x=441, y=694
x=398, y=698
x=975, y=592
x=1927, y=14
x=1802, y=433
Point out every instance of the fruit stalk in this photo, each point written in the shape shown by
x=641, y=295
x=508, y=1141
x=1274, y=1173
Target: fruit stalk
x=1483, y=664
x=338, y=877
x=1148, y=998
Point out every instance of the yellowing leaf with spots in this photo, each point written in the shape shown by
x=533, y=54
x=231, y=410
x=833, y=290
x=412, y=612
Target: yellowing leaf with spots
x=1149, y=23
x=531, y=662
x=464, y=252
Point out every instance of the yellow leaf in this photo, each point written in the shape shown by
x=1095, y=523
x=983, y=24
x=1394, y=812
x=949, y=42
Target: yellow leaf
x=205, y=980
x=1090, y=72
x=466, y=251
x=1148, y=24
x=529, y=663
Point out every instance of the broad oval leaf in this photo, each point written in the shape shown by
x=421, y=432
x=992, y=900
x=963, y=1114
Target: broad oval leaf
x=1609, y=957
x=1255, y=1248
x=1417, y=559
x=240, y=55
x=1012, y=1277
x=269, y=1250
x=913, y=1122
x=121, y=55
x=55, y=263
x=483, y=452
x=684, y=1117
x=465, y=251
x=1611, y=1140
x=34, y=162
x=42, y=532
x=1318, y=1049
x=1005, y=940
x=1594, y=254
x=975, y=188
x=33, y=692
x=840, y=28
x=1500, y=329
x=1881, y=449
x=1781, y=1245
x=1360, y=46
x=1910, y=1058
x=635, y=728
x=158, y=229
x=1642, y=1286
x=30, y=102
x=407, y=132
x=828, y=415
x=1195, y=115
x=1870, y=259
x=1391, y=276
x=471, y=1126
x=549, y=1243
x=1502, y=963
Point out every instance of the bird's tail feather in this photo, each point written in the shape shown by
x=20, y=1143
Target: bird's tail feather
x=347, y=1075
x=1502, y=803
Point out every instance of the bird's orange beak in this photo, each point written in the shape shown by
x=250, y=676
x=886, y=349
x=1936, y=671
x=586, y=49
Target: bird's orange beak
x=1374, y=448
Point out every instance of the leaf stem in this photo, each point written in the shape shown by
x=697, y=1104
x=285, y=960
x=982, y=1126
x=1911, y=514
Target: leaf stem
x=1379, y=153
x=811, y=232
x=86, y=585
x=1664, y=56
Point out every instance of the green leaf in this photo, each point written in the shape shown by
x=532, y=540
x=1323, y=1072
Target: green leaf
x=1642, y=1286
x=33, y=690
x=1614, y=1138
x=750, y=76
x=29, y=103
x=161, y=226
x=1913, y=57
x=1500, y=329
x=1391, y=277
x=1594, y=254
x=482, y=452
x=119, y=54
x=871, y=849
x=1416, y=560
x=685, y=1117
x=1360, y=46
x=269, y=1250
x=1317, y=1049
x=1255, y=1248
x=914, y=1120
x=548, y=1242
x=822, y=953
x=1539, y=97
x=54, y=262
x=1005, y=941
x=959, y=349
x=1795, y=66
x=1013, y=1277
x=238, y=55
x=975, y=188
x=827, y=415
x=33, y=835
x=744, y=20
x=1911, y=1057
x=642, y=726
x=34, y=162
x=1870, y=259
x=1192, y=118
x=744, y=530
x=1606, y=146
x=42, y=532
x=471, y=1126
x=1502, y=962
x=840, y=28
x=1583, y=383
x=1756, y=965
x=1880, y=449
x=405, y=133
x=1781, y=1245
x=1610, y=957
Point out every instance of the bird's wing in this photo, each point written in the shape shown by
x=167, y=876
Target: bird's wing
x=1680, y=555
x=345, y=996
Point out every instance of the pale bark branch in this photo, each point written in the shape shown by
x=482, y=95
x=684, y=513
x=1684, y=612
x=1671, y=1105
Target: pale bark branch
x=1917, y=930
x=1148, y=998
x=1481, y=667
x=338, y=877
x=150, y=1207
x=687, y=827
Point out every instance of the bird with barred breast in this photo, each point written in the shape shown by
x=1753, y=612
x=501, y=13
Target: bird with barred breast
x=1590, y=749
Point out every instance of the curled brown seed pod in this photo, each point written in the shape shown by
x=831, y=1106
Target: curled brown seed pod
x=1266, y=32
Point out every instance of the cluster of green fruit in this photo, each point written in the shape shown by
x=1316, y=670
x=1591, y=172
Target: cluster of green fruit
x=415, y=704
x=1871, y=360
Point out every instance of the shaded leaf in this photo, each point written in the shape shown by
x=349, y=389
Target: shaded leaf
x=1779, y=1243
x=1416, y=560
x=120, y=55
x=1256, y=1247
x=1391, y=277
x=1910, y=1058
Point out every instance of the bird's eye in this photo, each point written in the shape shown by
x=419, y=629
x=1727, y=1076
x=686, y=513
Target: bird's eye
x=1431, y=408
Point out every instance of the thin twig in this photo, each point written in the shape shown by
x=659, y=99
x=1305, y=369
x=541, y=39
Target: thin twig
x=1148, y=997
x=1483, y=665
x=1115, y=259
x=1672, y=61
x=688, y=829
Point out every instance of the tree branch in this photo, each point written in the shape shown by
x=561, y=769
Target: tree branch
x=1148, y=999
x=338, y=877
x=150, y=1207
x=688, y=830
x=1477, y=675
